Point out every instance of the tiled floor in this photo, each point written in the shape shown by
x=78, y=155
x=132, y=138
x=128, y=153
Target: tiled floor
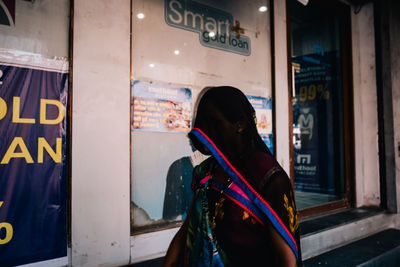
x=307, y=199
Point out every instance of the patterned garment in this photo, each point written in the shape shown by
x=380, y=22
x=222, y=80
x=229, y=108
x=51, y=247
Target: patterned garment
x=201, y=246
x=226, y=228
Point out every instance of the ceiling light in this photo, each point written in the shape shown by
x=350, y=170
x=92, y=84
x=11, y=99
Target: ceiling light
x=262, y=8
x=304, y=2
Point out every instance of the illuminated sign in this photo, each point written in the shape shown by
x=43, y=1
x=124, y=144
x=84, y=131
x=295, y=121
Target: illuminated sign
x=216, y=28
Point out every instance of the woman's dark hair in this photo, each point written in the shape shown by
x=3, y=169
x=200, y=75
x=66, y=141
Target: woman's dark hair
x=235, y=107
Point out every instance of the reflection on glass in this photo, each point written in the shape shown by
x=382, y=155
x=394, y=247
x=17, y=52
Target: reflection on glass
x=188, y=44
x=317, y=105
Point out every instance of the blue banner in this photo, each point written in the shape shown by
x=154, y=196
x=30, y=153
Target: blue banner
x=315, y=123
x=33, y=149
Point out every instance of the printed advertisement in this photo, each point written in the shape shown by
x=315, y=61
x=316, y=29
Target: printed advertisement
x=160, y=108
x=263, y=109
x=33, y=162
x=313, y=123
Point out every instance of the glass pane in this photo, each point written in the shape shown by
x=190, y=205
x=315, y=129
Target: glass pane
x=317, y=105
x=178, y=48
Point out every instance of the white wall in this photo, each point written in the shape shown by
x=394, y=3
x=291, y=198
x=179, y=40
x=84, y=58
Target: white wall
x=40, y=27
x=281, y=87
x=100, y=133
x=395, y=67
x=365, y=107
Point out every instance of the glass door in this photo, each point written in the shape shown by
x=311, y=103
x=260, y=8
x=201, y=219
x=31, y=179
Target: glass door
x=320, y=97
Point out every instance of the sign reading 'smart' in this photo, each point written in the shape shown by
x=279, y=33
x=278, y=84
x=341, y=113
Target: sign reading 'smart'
x=213, y=25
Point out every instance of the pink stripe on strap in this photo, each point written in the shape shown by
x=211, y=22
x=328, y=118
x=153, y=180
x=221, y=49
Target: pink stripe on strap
x=232, y=186
x=237, y=189
x=205, y=179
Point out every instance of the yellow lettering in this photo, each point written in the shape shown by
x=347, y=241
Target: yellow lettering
x=303, y=93
x=3, y=108
x=1, y=203
x=16, y=116
x=9, y=233
x=43, y=108
x=312, y=92
x=42, y=144
x=18, y=141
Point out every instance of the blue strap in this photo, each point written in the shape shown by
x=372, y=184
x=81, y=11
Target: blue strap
x=246, y=204
x=255, y=198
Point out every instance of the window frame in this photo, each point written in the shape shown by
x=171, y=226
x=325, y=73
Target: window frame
x=342, y=11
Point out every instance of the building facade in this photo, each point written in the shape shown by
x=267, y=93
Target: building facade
x=102, y=154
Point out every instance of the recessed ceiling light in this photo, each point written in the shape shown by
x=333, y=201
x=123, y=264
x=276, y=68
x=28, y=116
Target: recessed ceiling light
x=177, y=52
x=140, y=16
x=304, y=2
x=262, y=8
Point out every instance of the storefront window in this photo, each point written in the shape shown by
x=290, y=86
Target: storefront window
x=318, y=104
x=178, y=48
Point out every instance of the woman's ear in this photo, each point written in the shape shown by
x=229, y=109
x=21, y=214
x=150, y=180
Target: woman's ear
x=240, y=126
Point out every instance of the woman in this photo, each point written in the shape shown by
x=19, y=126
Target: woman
x=243, y=211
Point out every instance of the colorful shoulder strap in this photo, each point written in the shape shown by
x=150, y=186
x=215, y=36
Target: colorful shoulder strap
x=252, y=194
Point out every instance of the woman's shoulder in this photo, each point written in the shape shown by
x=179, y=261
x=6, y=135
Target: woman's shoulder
x=205, y=166
x=275, y=187
x=261, y=166
x=201, y=171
